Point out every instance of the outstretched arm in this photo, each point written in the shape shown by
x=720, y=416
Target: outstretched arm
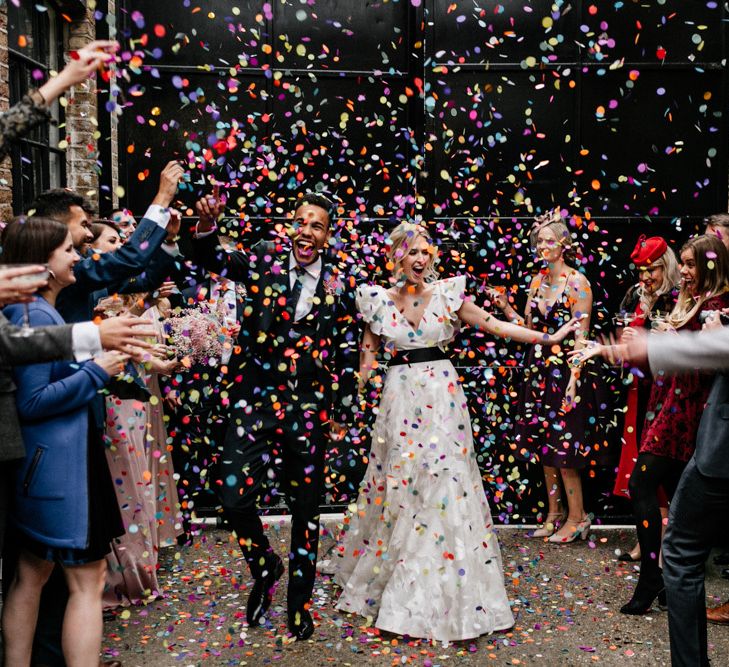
x=469, y=313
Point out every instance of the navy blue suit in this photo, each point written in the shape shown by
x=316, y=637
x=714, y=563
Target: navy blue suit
x=112, y=269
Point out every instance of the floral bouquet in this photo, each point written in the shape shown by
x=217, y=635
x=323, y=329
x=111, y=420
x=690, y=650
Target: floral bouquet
x=196, y=334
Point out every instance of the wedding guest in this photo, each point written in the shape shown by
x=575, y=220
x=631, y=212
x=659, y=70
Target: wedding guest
x=64, y=506
x=652, y=298
x=105, y=236
x=558, y=401
x=701, y=501
x=674, y=411
x=142, y=471
x=125, y=221
x=419, y=554
x=151, y=250
x=198, y=421
x=718, y=225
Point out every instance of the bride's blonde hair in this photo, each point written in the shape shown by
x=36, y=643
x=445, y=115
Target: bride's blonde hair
x=401, y=239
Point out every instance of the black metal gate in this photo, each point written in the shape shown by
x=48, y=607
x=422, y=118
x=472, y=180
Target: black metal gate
x=472, y=114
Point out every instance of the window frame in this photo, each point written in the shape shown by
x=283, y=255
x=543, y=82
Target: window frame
x=37, y=162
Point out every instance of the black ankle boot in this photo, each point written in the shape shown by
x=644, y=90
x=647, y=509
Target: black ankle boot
x=263, y=589
x=644, y=596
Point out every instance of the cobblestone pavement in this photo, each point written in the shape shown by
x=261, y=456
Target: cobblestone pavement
x=565, y=598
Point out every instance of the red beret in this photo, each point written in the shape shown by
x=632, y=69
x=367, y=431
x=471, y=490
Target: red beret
x=649, y=250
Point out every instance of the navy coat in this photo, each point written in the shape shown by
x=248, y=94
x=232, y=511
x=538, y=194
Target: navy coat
x=50, y=501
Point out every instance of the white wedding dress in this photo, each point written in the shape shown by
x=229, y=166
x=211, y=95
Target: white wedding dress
x=419, y=553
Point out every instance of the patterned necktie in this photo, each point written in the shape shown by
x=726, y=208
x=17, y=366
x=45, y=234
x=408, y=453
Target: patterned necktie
x=295, y=292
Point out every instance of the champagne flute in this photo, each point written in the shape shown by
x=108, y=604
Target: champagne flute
x=43, y=273
x=624, y=319
x=658, y=320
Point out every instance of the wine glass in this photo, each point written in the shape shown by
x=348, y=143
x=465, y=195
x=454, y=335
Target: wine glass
x=43, y=273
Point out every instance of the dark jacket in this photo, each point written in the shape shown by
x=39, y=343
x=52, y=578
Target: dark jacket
x=111, y=269
x=51, y=497
x=264, y=272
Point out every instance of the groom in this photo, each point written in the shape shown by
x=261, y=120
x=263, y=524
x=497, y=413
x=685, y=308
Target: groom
x=290, y=386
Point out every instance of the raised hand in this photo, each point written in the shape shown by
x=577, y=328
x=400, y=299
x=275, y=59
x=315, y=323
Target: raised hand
x=497, y=297
x=81, y=66
x=173, y=226
x=208, y=210
x=168, y=181
x=590, y=350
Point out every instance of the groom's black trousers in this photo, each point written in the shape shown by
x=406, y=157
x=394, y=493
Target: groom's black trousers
x=275, y=444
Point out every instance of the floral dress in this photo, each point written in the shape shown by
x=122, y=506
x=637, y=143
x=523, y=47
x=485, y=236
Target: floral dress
x=418, y=552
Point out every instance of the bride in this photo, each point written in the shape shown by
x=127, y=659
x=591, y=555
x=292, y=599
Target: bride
x=418, y=554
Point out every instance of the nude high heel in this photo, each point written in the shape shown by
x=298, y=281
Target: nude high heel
x=579, y=529
x=552, y=523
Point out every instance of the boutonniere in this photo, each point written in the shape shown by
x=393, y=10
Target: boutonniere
x=333, y=285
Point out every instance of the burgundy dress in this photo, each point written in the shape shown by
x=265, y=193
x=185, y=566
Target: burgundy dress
x=676, y=404
x=543, y=431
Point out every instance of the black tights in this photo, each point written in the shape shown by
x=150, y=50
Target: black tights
x=650, y=473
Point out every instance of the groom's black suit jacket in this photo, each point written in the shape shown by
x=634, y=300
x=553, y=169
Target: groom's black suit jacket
x=264, y=272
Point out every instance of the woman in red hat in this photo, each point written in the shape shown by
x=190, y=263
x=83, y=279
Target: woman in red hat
x=652, y=298
x=673, y=412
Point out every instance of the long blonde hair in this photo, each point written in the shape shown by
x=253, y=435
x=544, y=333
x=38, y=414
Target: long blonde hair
x=712, y=277
x=400, y=240
x=671, y=278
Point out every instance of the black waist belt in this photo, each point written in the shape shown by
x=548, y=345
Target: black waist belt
x=417, y=356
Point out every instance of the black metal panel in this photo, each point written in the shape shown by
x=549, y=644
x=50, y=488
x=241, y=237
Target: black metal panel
x=361, y=36
x=500, y=139
x=473, y=114
x=651, y=146
x=498, y=33
x=671, y=31
x=213, y=34
x=184, y=117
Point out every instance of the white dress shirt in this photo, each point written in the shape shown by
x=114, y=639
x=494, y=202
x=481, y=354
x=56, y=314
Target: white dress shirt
x=86, y=340
x=309, y=279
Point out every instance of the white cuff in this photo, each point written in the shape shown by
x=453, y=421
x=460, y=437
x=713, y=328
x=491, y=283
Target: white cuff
x=172, y=249
x=202, y=235
x=86, y=340
x=158, y=214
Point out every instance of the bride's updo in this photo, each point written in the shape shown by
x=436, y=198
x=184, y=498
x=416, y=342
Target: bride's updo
x=399, y=242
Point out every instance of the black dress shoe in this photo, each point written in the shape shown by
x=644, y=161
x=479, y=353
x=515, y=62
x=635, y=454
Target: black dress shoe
x=301, y=625
x=263, y=589
x=725, y=573
x=627, y=557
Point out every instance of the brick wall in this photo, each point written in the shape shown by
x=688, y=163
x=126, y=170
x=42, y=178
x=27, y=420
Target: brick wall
x=81, y=129
x=6, y=178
